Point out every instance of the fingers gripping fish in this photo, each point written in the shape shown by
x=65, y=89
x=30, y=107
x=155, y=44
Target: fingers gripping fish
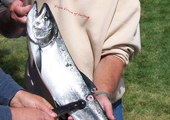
x=58, y=72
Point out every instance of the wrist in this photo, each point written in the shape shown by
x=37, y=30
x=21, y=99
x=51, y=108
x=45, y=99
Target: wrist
x=102, y=93
x=16, y=100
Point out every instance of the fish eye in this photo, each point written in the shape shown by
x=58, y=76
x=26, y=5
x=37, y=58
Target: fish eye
x=46, y=18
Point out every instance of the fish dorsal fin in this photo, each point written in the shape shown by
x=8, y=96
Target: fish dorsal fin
x=88, y=82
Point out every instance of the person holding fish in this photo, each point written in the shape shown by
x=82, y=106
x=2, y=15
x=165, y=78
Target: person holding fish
x=101, y=37
x=100, y=44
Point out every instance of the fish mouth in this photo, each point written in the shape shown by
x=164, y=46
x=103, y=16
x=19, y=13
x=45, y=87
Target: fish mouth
x=40, y=26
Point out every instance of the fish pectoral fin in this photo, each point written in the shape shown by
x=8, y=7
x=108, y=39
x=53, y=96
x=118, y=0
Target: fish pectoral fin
x=38, y=59
x=88, y=82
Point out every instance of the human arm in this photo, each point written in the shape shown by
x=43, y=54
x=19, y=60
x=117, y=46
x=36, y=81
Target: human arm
x=33, y=106
x=122, y=43
x=11, y=113
x=8, y=88
x=13, y=19
x=106, y=78
x=22, y=104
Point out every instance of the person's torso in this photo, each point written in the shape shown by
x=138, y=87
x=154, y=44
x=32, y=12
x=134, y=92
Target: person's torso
x=83, y=26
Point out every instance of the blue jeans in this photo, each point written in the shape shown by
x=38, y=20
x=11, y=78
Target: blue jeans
x=117, y=110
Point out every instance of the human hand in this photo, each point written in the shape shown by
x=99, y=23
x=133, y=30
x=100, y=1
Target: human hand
x=28, y=100
x=70, y=118
x=19, y=12
x=23, y=113
x=106, y=105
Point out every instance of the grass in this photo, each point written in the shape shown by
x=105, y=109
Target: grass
x=147, y=75
x=13, y=56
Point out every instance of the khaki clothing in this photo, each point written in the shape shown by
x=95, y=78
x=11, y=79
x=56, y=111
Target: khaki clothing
x=91, y=29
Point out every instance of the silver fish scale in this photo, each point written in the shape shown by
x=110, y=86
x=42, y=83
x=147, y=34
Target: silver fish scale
x=70, y=82
x=56, y=67
x=65, y=76
x=64, y=55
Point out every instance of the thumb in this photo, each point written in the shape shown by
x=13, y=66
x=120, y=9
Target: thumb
x=109, y=112
x=107, y=107
x=21, y=13
x=22, y=10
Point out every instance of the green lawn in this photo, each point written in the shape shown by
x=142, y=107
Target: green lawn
x=13, y=57
x=146, y=77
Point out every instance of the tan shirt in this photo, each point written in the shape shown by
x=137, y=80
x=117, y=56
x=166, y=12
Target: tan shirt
x=93, y=28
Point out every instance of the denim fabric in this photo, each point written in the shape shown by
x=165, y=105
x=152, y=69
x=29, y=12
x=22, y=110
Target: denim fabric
x=117, y=110
x=5, y=113
x=8, y=88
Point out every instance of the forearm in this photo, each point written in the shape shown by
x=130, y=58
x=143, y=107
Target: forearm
x=8, y=88
x=108, y=73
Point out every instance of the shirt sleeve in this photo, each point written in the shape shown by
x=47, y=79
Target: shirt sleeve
x=5, y=113
x=123, y=37
x=6, y=2
x=8, y=88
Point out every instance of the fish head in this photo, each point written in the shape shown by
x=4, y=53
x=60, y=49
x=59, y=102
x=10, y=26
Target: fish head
x=40, y=26
x=43, y=27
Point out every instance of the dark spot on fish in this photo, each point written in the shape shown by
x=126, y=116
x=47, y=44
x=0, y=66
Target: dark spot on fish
x=98, y=111
x=67, y=65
